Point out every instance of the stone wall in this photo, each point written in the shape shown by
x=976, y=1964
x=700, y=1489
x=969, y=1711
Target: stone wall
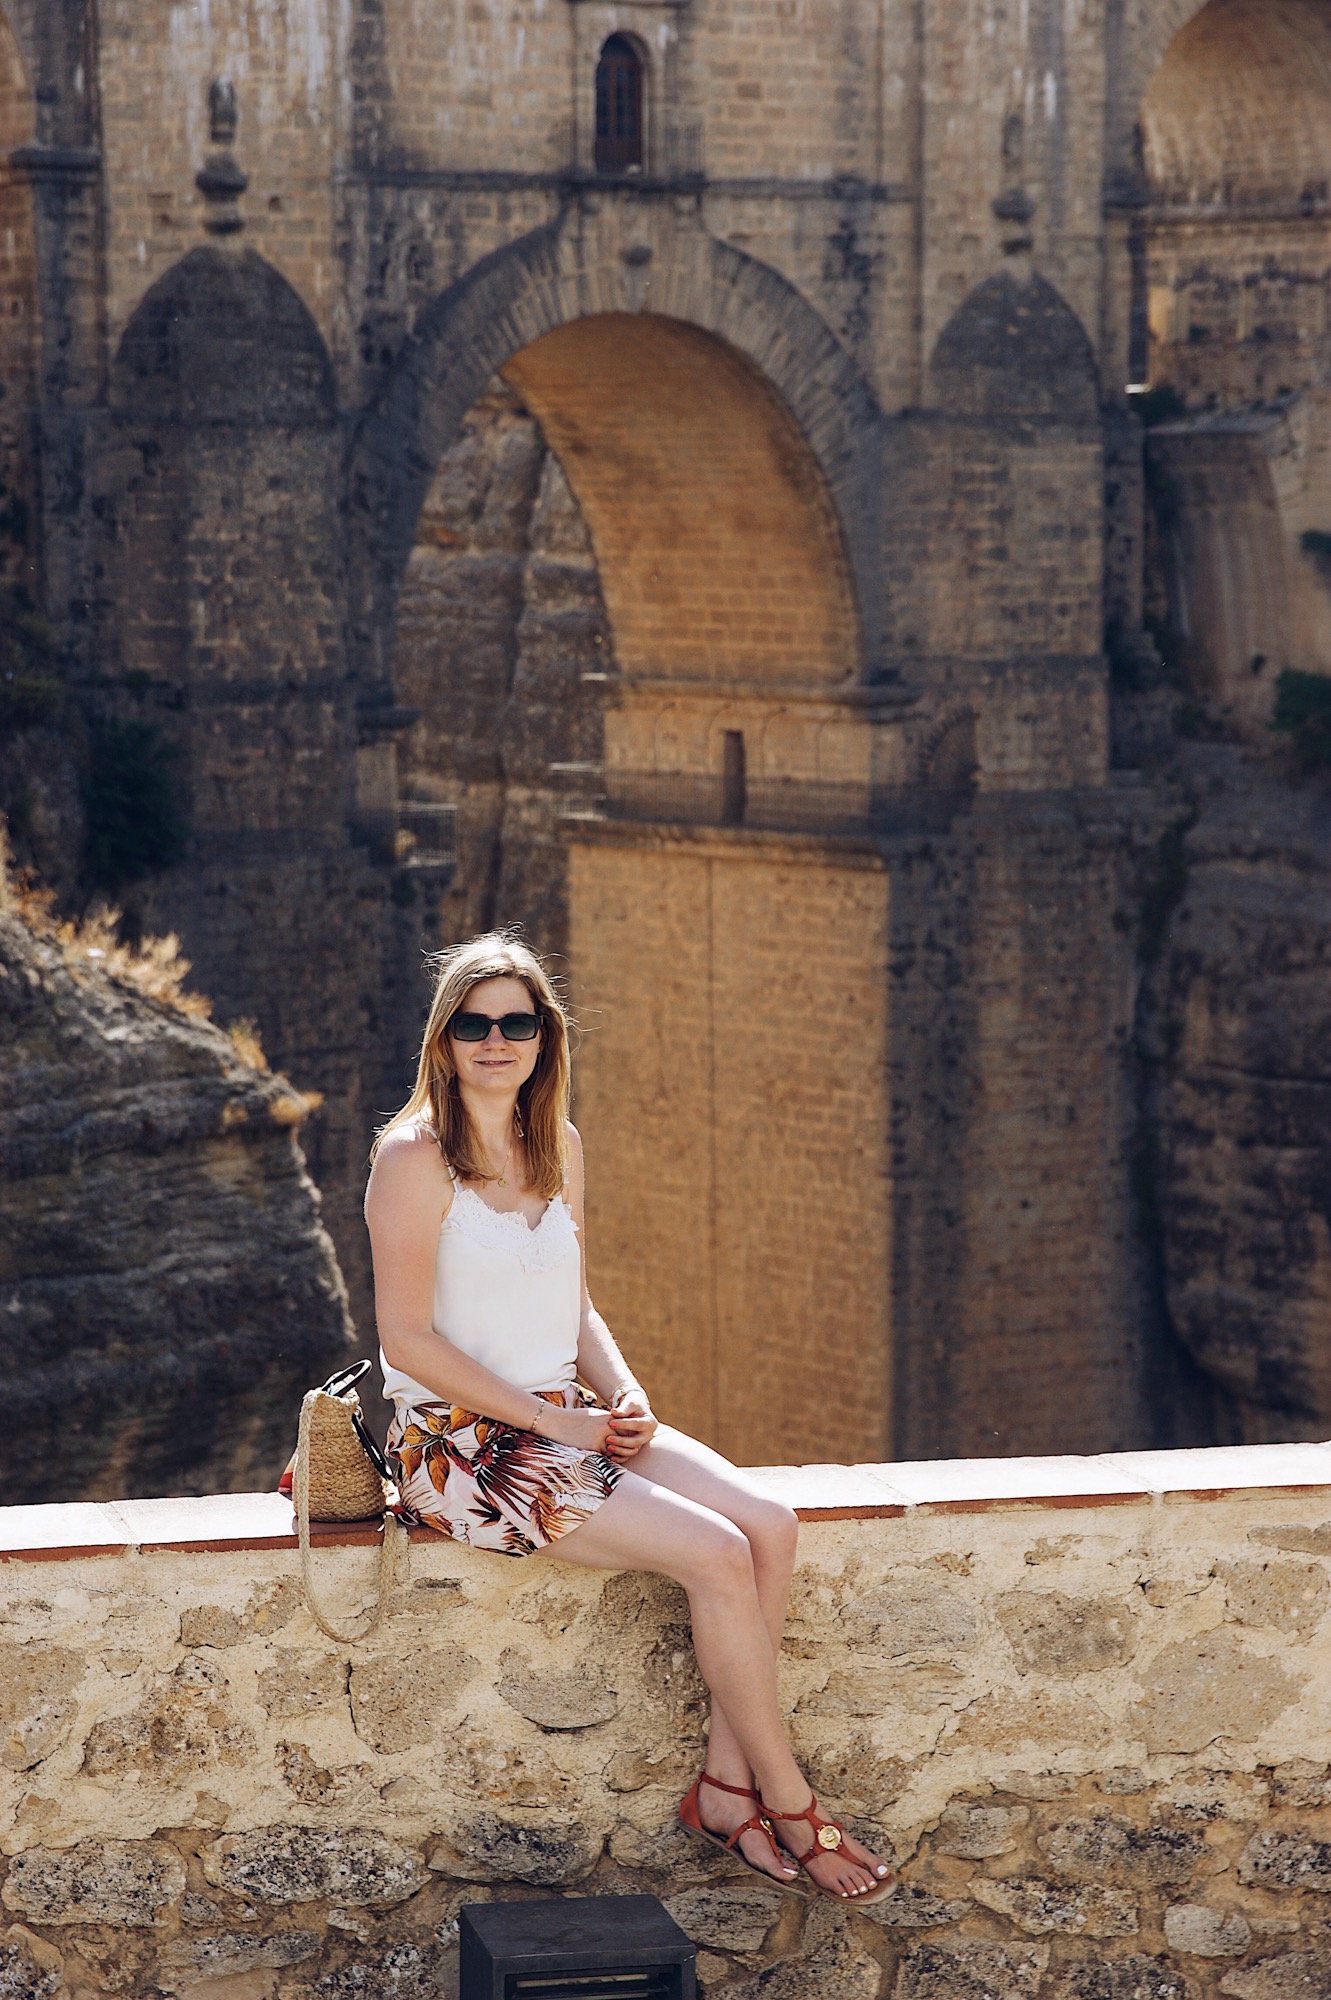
x=1084, y=1700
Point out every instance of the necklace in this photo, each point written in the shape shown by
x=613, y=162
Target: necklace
x=499, y=1177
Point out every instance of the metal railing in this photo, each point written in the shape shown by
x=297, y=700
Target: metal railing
x=412, y=834
x=782, y=805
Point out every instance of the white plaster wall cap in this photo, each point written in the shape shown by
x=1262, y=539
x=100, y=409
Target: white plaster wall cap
x=1235, y=1468
x=965, y=1482
x=237, y=1521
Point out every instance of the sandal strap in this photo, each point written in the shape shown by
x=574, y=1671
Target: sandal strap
x=820, y=1827
x=739, y=1791
x=755, y=1825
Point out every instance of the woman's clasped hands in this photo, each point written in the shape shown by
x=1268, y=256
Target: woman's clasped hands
x=632, y=1425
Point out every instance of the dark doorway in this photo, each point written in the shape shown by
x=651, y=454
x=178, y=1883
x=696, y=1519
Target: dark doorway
x=618, y=107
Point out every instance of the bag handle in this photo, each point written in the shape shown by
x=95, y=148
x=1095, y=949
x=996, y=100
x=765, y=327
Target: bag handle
x=394, y=1533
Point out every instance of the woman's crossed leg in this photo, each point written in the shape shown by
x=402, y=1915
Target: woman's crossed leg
x=685, y=1511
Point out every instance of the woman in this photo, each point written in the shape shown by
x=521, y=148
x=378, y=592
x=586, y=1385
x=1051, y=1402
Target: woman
x=475, y=1210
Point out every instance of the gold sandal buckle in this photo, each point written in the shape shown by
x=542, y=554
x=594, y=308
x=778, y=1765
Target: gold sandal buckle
x=829, y=1837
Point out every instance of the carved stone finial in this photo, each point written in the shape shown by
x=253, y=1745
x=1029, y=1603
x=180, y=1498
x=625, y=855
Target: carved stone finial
x=223, y=113
x=1015, y=208
x=222, y=180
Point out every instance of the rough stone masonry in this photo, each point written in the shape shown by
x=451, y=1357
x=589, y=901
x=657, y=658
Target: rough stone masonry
x=1094, y=1731
x=825, y=572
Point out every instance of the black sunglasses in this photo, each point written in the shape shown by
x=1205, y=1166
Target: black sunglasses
x=475, y=1027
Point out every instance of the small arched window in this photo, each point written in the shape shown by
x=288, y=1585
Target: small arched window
x=618, y=107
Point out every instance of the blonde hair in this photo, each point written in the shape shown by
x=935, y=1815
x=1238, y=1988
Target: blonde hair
x=543, y=1098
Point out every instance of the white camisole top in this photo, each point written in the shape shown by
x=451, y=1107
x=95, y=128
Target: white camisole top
x=505, y=1293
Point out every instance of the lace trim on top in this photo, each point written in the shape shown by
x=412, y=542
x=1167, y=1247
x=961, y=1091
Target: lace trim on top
x=538, y=1249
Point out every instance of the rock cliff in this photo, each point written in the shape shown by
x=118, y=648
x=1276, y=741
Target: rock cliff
x=166, y=1284
x=1235, y=1026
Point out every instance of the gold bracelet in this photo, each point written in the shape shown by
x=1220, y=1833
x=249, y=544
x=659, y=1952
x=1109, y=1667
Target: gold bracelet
x=541, y=1407
x=632, y=1389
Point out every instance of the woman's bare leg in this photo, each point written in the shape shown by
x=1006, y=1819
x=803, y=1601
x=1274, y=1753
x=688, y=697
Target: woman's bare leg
x=772, y=1529
x=644, y=1525
x=772, y=1532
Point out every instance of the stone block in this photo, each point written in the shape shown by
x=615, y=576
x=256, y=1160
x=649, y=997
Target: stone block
x=545, y=1853
x=215, y=1625
x=402, y=1971
x=1105, y=1848
x=298, y=1681
x=830, y=1960
x=635, y=1770
x=400, y=1704
x=560, y=1698
x=871, y=1690
x=911, y=1907
x=307, y=1864
x=1051, y=1633
x=1206, y=1796
x=970, y=1969
x=854, y=1772
x=1008, y=1718
x=37, y=1687
x=911, y=1615
x=1202, y=1688
x=975, y=1832
x=30, y=1968
x=311, y=1782
x=1279, y=1596
x=1205, y=1933
x=136, y=1883
x=511, y=1774
x=1040, y=1908
x=1301, y=1784
x=1291, y=1975
x=1275, y=1860
x=1132, y=1978
x=187, y=1960
x=726, y=1916
x=185, y=1728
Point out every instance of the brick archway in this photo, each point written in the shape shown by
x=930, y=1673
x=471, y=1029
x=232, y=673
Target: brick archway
x=579, y=268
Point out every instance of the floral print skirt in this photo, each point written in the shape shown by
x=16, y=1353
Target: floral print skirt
x=491, y=1485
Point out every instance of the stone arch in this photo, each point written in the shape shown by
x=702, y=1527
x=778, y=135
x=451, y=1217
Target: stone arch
x=1239, y=108
x=1015, y=349
x=1235, y=132
x=19, y=330
x=223, y=338
x=579, y=268
x=1137, y=36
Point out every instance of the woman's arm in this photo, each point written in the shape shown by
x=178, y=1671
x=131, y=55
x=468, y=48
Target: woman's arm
x=408, y=1197
x=600, y=1363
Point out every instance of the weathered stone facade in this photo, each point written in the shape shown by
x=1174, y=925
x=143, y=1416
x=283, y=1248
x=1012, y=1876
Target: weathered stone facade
x=717, y=568
x=1085, y=1701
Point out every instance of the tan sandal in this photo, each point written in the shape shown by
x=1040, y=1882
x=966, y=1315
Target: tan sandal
x=828, y=1837
x=690, y=1818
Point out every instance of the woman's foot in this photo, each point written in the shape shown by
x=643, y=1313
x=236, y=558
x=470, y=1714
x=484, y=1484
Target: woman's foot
x=722, y=1811
x=833, y=1859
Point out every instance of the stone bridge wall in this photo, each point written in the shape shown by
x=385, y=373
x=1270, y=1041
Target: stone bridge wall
x=1086, y=1700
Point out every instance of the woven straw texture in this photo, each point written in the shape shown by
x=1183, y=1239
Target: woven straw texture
x=343, y=1484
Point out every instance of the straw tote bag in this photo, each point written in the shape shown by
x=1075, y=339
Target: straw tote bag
x=340, y=1474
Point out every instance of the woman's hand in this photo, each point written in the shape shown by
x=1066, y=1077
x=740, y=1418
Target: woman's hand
x=586, y=1430
x=632, y=1425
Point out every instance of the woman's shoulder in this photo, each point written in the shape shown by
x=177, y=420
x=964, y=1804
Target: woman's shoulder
x=408, y=1162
